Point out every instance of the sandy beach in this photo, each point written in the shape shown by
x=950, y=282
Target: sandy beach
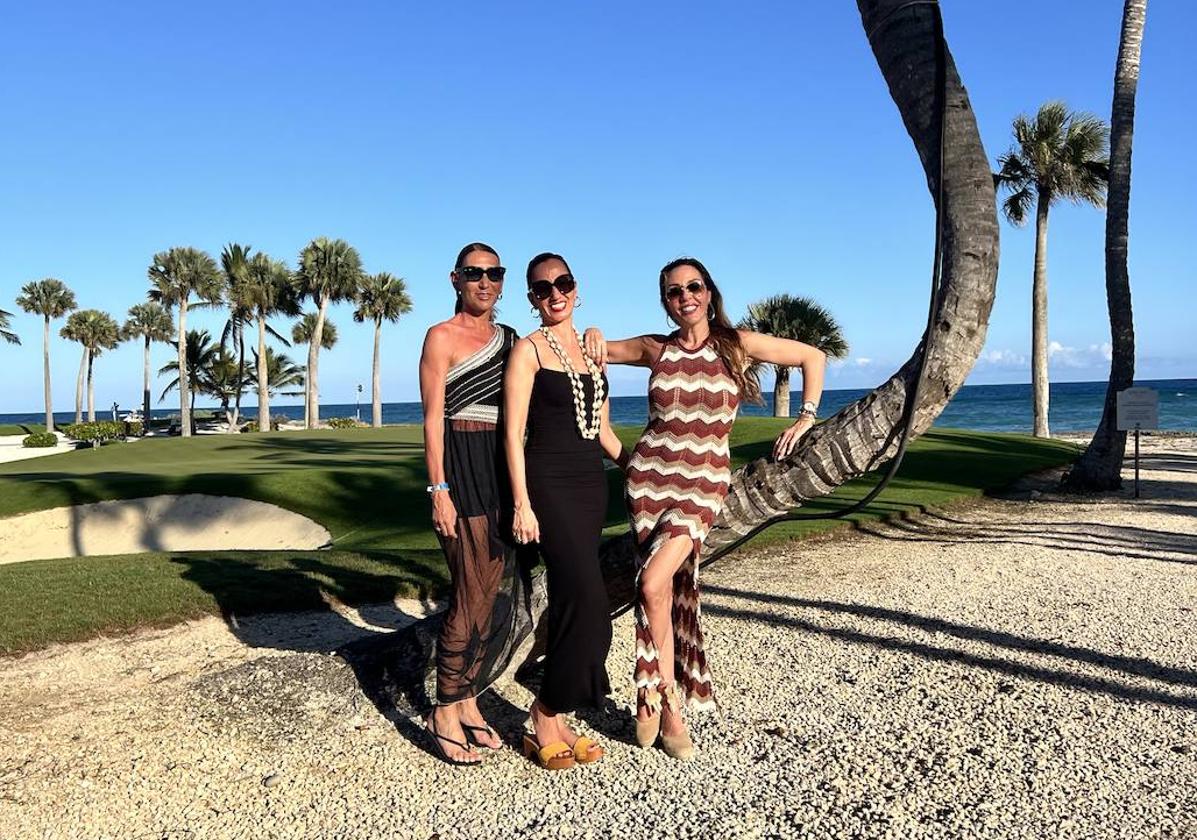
x=1023, y=667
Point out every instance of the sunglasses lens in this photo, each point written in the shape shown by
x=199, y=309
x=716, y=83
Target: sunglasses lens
x=673, y=292
x=565, y=283
x=695, y=287
x=542, y=289
x=470, y=273
x=497, y=273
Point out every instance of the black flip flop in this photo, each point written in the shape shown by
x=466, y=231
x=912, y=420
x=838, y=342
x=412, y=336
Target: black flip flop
x=430, y=728
x=474, y=742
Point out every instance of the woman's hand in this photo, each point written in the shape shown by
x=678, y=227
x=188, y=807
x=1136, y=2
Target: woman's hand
x=594, y=345
x=444, y=514
x=788, y=439
x=525, y=527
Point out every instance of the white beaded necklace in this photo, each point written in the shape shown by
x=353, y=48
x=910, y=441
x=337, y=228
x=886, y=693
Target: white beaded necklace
x=588, y=430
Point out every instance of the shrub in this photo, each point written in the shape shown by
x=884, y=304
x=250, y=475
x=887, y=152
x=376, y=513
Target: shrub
x=38, y=439
x=343, y=423
x=95, y=433
x=133, y=427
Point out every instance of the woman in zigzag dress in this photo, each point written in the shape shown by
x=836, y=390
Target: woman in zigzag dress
x=678, y=477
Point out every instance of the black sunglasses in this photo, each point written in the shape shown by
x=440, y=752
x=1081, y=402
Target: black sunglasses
x=693, y=287
x=474, y=273
x=543, y=289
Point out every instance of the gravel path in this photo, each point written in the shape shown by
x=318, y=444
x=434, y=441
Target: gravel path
x=1014, y=669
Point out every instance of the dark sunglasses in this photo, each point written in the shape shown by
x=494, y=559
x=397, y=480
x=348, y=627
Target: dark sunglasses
x=543, y=289
x=473, y=273
x=693, y=287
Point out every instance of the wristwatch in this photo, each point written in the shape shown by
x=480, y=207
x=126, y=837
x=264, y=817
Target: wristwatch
x=809, y=409
x=432, y=488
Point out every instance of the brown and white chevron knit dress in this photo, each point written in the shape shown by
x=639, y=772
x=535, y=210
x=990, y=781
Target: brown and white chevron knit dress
x=677, y=481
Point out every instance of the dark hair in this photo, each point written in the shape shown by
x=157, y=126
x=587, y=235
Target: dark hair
x=723, y=335
x=461, y=258
x=545, y=257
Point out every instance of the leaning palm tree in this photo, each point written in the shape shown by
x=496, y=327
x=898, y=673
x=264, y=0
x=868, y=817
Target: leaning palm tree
x=380, y=297
x=329, y=270
x=1057, y=154
x=281, y=374
x=175, y=276
x=6, y=332
x=304, y=332
x=51, y=299
x=234, y=263
x=800, y=319
x=76, y=329
x=1100, y=466
x=905, y=41
x=200, y=353
x=97, y=331
x=268, y=291
x=222, y=378
x=149, y=322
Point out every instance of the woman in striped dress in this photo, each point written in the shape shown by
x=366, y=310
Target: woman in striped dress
x=678, y=478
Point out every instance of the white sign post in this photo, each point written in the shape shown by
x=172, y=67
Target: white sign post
x=1138, y=408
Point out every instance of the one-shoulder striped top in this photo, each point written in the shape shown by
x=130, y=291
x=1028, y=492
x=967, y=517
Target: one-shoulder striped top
x=474, y=386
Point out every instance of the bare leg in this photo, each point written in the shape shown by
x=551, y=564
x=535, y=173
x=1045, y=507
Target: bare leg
x=656, y=592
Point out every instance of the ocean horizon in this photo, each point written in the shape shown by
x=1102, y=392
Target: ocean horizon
x=1074, y=407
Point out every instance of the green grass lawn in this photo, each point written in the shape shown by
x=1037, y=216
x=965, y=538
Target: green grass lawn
x=21, y=428
x=366, y=487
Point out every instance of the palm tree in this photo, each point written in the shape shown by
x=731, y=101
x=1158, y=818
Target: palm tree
x=176, y=275
x=6, y=332
x=268, y=291
x=381, y=296
x=1058, y=154
x=329, y=270
x=283, y=376
x=1100, y=466
x=303, y=332
x=150, y=322
x=800, y=319
x=222, y=378
x=200, y=354
x=234, y=262
x=97, y=331
x=51, y=299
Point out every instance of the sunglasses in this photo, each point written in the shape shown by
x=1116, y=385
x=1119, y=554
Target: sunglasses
x=693, y=287
x=543, y=289
x=474, y=273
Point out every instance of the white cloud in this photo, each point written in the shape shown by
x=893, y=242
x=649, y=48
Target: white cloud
x=1093, y=356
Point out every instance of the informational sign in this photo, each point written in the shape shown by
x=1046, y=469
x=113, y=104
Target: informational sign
x=1138, y=408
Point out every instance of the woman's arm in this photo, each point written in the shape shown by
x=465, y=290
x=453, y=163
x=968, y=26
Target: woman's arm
x=612, y=445
x=641, y=351
x=813, y=363
x=517, y=393
x=434, y=366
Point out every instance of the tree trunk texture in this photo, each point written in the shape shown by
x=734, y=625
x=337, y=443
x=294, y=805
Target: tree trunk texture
x=263, y=378
x=46, y=373
x=864, y=435
x=1100, y=466
x=376, y=380
x=1039, y=388
x=79, y=387
x=91, y=387
x=781, y=392
x=184, y=377
x=236, y=416
x=313, y=388
x=145, y=388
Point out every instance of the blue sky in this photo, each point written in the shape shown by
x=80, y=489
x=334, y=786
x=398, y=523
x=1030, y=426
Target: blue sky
x=756, y=136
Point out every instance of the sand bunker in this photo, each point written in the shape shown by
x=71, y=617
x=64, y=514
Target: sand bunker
x=193, y=522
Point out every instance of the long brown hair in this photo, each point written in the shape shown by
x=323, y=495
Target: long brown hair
x=461, y=258
x=724, y=337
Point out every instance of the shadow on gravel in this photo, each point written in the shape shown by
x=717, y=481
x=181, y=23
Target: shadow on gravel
x=1130, y=666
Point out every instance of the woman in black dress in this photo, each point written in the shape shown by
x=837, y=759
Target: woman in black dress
x=559, y=396
x=461, y=377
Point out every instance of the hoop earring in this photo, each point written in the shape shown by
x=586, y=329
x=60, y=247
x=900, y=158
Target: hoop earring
x=534, y=312
x=577, y=302
x=710, y=314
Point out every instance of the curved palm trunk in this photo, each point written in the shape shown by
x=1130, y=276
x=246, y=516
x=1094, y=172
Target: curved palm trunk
x=46, y=372
x=236, y=418
x=864, y=435
x=376, y=381
x=1039, y=321
x=91, y=387
x=145, y=388
x=184, y=376
x=313, y=388
x=263, y=378
x=781, y=392
x=1100, y=467
x=79, y=387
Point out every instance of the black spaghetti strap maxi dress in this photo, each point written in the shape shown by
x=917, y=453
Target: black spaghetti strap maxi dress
x=567, y=488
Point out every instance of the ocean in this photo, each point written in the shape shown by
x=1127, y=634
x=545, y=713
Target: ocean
x=1075, y=407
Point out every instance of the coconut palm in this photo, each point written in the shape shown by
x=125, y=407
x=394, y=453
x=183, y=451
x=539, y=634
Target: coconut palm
x=175, y=276
x=268, y=291
x=6, y=332
x=1100, y=466
x=283, y=376
x=149, y=322
x=329, y=270
x=200, y=353
x=234, y=263
x=51, y=299
x=97, y=331
x=380, y=297
x=222, y=378
x=302, y=333
x=800, y=319
x=1057, y=154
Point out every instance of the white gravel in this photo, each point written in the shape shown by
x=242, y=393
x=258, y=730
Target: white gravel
x=1014, y=669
